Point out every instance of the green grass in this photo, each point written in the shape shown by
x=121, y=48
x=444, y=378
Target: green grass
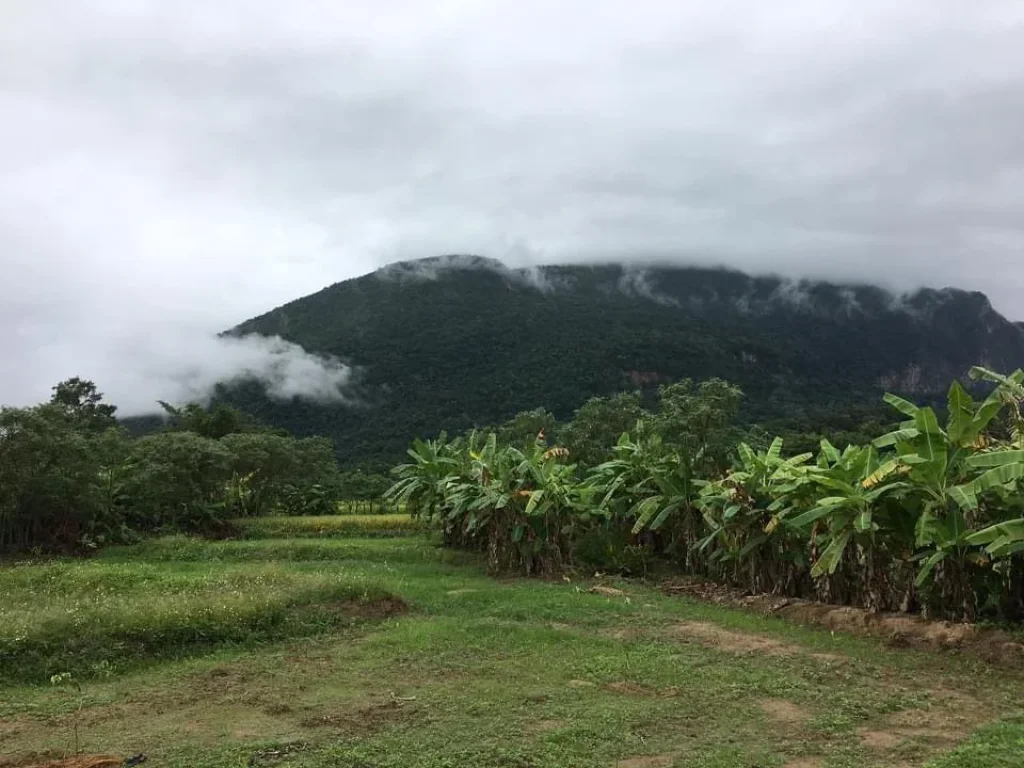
x=342, y=526
x=84, y=617
x=1000, y=745
x=511, y=673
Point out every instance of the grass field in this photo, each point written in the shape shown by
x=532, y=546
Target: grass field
x=343, y=526
x=299, y=653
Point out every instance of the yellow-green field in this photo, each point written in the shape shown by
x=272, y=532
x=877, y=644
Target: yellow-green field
x=326, y=526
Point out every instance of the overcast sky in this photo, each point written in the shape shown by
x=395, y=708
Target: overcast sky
x=168, y=169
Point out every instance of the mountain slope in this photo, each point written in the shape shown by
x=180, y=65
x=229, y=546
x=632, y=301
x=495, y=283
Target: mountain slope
x=451, y=342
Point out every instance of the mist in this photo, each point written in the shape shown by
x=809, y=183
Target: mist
x=168, y=170
x=188, y=369
x=182, y=368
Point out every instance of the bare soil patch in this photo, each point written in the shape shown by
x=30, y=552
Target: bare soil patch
x=631, y=689
x=73, y=761
x=900, y=630
x=804, y=762
x=270, y=755
x=784, y=712
x=365, y=720
x=364, y=610
x=735, y=642
x=650, y=761
x=942, y=726
x=581, y=684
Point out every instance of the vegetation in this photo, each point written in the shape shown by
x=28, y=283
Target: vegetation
x=89, y=617
x=71, y=479
x=448, y=346
x=326, y=527
x=477, y=672
x=322, y=627
x=926, y=516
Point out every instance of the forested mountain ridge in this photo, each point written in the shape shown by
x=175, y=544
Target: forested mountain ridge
x=452, y=342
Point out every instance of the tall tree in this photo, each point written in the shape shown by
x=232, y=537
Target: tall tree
x=83, y=402
x=694, y=417
x=598, y=424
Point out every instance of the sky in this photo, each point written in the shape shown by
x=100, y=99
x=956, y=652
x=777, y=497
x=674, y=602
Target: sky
x=168, y=170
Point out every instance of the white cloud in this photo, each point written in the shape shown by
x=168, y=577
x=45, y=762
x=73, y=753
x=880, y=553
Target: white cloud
x=180, y=369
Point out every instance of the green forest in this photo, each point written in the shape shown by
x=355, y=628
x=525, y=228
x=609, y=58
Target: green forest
x=448, y=345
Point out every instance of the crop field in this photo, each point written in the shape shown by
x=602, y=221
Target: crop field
x=391, y=652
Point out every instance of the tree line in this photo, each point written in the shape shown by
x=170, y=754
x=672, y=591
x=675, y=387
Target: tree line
x=927, y=515
x=71, y=477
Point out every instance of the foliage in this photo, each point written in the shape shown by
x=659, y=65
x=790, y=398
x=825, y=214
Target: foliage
x=743, y=540
x=216, y=421
x=693, y=418
x=362, y=493
x=176, y=481
x=82, y=402
x=71, y=480
x=478, y=344
x=925, y=516
x=51, y=481
x=270, y=472
x=520, y=505
x=597, y=424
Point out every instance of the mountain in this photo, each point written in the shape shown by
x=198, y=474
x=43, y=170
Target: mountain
x=452, y=342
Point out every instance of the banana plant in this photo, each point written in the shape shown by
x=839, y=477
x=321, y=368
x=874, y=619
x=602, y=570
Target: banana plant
x=941, y=468
x=1002, y=473
x=1002, y=540
x=625, y=479
x=644, y=484
x=1009, y=392
x=422, y=483
x=852, y=486
x=551, y=505
x=744, y=510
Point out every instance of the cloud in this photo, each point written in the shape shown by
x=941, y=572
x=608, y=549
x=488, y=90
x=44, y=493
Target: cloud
x=187, y=369
x=637, y=281
x=180, y=366
x=170, y=169
x=434, y=267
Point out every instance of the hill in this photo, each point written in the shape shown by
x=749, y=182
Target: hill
x=452, y=342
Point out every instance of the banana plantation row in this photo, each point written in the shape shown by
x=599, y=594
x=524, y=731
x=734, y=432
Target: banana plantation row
x=927, y=517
